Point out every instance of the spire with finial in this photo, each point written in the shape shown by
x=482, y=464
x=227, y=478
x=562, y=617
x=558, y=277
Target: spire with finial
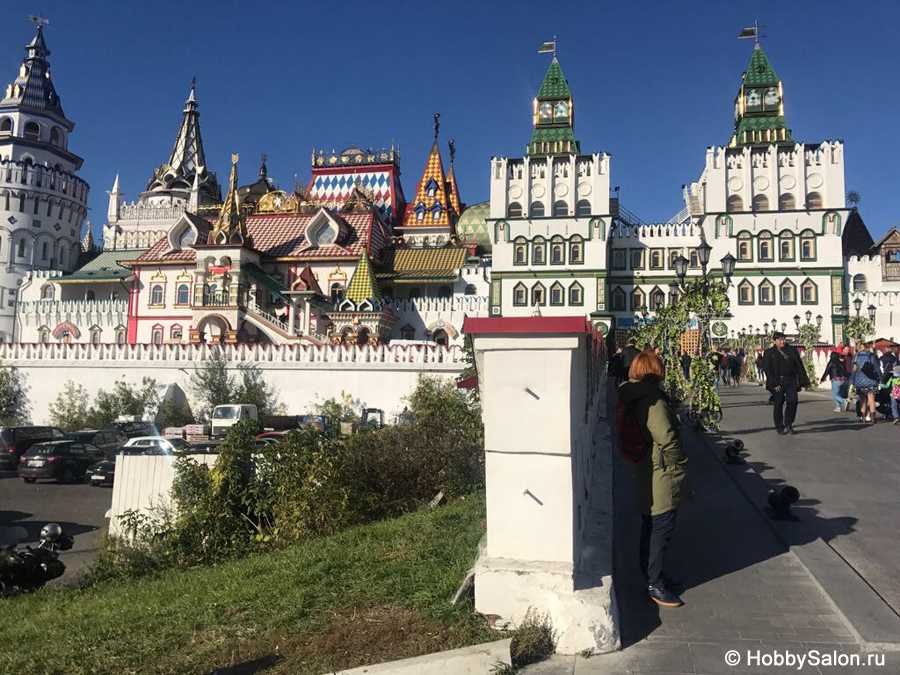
x=452, y=189
x=263, y=171
x=87, y=243
x=115, y=201
x=435, y=205
x=759, y=104
x=230, y=227
x=33, y=88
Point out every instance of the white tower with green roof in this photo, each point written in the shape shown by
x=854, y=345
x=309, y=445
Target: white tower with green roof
x=549, y=215
x=778, y=206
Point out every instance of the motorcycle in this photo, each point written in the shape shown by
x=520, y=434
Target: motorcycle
x=28, y=569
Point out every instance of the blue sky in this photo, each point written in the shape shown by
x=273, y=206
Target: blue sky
x=653, y=82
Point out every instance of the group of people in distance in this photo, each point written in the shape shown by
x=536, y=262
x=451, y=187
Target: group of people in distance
x=648, y=429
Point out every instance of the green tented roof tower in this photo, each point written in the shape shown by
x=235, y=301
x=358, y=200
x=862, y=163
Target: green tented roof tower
x=362, y=285
x=759, y=105
x=553, y=116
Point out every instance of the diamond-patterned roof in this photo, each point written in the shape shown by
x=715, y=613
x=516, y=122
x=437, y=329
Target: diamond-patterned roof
x=362, y=286
x=759, y=72
x=432, y=206
x=555, y=84
x=472, y=226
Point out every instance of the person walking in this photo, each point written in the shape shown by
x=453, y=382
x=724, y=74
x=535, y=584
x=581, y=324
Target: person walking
x=866, y=377
x=686, y=365
x=661, y=471
x=734, y=364
x=892, y=384
x=760, y=372
x=785, y=376
x=888, y=359
x=837, y=371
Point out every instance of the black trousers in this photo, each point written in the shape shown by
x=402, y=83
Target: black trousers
x=785, y=400
x=656, y=531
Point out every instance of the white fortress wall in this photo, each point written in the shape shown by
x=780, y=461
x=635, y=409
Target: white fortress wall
x=377, y=377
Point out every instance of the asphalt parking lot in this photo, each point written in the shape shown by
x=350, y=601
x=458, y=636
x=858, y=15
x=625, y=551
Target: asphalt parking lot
x=79, y=508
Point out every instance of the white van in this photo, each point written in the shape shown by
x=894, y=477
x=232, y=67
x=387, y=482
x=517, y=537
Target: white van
x=226, y=416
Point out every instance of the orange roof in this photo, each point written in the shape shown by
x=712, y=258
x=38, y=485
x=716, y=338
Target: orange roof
x=433, y=205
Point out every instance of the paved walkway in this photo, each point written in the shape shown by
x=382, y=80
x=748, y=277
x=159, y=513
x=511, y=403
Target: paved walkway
x=744, y=589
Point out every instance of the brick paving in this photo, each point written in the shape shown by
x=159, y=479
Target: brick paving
x=744, y=590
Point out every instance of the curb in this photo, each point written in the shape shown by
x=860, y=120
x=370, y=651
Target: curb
x=860, y=608
x=474, y=660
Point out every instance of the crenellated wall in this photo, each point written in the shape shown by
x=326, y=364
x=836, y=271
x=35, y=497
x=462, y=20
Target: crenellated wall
x=378, y=377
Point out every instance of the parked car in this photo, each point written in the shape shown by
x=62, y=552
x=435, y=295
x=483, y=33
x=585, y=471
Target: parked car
x=103, y=472
x=226, y=416
x=15, y=442
x=135, y=429
x=157, y=445
x=105, y=439
x=64, y=461
x=210, y=447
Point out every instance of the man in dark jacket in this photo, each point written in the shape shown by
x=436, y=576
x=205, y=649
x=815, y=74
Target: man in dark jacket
x=785, y=376
x=628, y=355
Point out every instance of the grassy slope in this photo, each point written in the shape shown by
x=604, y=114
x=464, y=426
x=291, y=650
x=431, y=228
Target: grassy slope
x=371, y=593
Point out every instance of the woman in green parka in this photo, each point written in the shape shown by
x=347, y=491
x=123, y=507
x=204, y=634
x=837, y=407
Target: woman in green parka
x=661, y=469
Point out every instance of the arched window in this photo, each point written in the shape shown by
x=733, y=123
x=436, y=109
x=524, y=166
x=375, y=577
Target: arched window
x=734, y=204
x=760, y=203
x=32, y=131
x=48, y=292
x=156, y=294
x=20, y=249
x=786, y=202
x=95, y=335
x=637, y=300
x=786, y=246
x=576, y=294
x=514, y=210
x=807, y=245
x=471, y=290
x=539, y=251
x=557, y=251
x=657, y=299
x=744, y=247
x=859, y=283
x=766, y=293
x=576, y=250
x=44, y=335
x=538, y=295
x=788, y=292
x=809, y=292
x=182, y=294
x=6, y=125
x=337, y=293
x=156, y=335
x=44, y=251
x=120, y=335
x=813, y=201
x=520, y=251
x=55, y=137
x=618, y=299
x=520, y=295
x=407, y=333
x=536, y=210
x=765, y=252
x=745, y=293
x=557, y=294
x=582, y=207
x=560, y=208
x=175, y=333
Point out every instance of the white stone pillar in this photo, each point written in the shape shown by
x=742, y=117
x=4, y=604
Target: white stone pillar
x=548, y=479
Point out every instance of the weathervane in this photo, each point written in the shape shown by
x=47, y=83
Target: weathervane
x=548, y=47
x=39, y=21
x=437, y=124
x=751, y=32
x=452, y=145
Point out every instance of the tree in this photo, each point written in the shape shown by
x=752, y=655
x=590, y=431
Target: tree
x=125, y=400
x=70, y=410
x=859, y=329
x=212, y=385
x=14, y=406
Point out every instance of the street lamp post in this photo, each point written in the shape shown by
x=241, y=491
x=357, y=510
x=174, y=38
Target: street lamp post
x=872, y=309
x=857, y=305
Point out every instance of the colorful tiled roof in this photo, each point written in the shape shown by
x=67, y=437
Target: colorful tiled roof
x=472, y=226
x=421, y=263
x=230, y=227
x=432, y=206
x=283, y=235
x=555, y=84
x=759, y=72
x=453, y=189
x=362, y=286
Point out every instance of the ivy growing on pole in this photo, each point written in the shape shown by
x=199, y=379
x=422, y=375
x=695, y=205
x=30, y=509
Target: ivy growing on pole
x=859, y=329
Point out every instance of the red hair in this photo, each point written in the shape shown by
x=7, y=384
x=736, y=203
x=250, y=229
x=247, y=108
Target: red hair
x=644, y=364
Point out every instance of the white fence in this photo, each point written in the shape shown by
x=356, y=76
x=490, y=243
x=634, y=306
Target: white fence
x=143, y=483
x=376, y=377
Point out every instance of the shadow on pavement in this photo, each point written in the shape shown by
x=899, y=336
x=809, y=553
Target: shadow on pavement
x=249, y=667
